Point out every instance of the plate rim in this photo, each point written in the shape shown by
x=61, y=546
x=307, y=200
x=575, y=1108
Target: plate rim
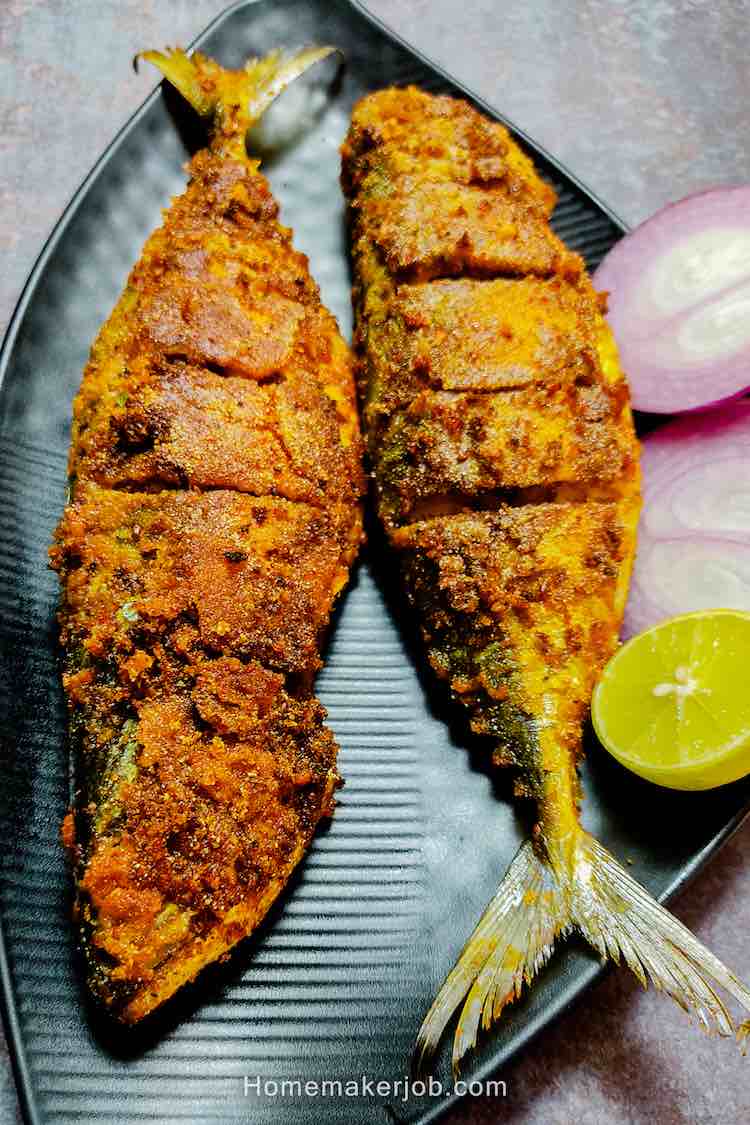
x=17, y=1053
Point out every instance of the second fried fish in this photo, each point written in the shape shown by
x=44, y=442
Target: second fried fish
x=506, y=467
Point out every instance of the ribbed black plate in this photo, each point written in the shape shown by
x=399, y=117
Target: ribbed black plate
x=336, y=984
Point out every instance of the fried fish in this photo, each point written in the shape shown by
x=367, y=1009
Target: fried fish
x=215, y=512
x=499, y=432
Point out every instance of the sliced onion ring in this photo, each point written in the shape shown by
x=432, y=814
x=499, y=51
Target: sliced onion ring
x=694, y=534
x=679, y=302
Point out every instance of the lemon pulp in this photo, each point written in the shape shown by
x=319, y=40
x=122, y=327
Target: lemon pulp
x=673, y=704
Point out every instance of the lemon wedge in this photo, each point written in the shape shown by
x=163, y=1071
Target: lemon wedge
x=673, y=704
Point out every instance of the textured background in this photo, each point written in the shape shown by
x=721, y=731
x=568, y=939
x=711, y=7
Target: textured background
x=645, y=100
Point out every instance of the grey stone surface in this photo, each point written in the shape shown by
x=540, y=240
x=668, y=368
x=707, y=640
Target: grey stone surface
x=645, y=100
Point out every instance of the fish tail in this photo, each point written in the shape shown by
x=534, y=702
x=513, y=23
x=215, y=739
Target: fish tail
x=235, y=99
x=540, y=900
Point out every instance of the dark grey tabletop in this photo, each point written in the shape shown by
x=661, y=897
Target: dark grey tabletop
x=646, y=101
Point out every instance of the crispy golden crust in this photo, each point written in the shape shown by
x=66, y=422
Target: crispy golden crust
x=472, y=447
x=204, y=800
x=496, y=417
x=427, y=230
x=178, y=425
x=215, y=514
x=257, y=575
x=407, y=132
x=477, y=336
x=473, y=388
x=219, y=290
x=441, y=191
x=518, y=605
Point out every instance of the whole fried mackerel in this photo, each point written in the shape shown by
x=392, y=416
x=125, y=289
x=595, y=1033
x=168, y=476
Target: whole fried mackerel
x=215, y=512
x=499, y=431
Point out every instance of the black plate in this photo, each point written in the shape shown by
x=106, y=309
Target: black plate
x=336, y=984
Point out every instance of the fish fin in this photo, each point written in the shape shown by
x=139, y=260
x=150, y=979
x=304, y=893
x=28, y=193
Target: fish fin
x=513, y=940
x=619, y=918
x=540, y=901
x=190, y=74
x=239, y=97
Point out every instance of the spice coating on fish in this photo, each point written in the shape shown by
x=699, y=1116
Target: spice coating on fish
x=215, y=513
x=505, y=462
x=497, y=421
